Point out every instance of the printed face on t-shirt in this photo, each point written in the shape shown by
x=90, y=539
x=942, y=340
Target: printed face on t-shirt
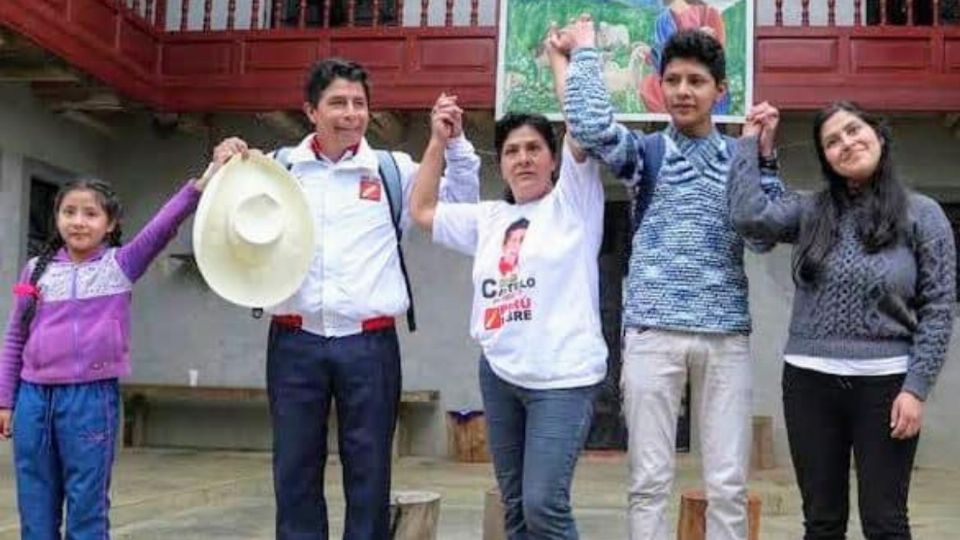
x=512, y=242
x=508, y=294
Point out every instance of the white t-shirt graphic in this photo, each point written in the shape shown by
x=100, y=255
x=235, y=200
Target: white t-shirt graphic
x=536, y=308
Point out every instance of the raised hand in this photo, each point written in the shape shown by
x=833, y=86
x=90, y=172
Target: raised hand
x=446, y=119
x=582, y=32
x=222, y=153
x=558, y=42
x=762, y=121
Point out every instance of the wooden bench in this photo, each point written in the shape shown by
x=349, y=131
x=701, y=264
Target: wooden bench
x=136, y=399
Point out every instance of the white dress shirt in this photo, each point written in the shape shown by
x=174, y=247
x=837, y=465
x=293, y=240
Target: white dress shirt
x=355, y=274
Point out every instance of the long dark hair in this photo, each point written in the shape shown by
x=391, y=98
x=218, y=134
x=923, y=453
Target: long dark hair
x=513, y=121
x=880, y=218
x=111, y=206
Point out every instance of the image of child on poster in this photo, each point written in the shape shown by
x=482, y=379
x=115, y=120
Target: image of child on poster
x=680, y=15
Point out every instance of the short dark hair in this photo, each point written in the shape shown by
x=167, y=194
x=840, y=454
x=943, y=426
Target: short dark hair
x=324, y=72
x=513, y=121
x=698, y=46
x=518, y=225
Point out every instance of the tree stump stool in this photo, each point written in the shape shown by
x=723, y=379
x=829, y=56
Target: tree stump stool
x=761, y=452
x=414, y=515
x=692, y=524
x=467, y=436
x=494, y=527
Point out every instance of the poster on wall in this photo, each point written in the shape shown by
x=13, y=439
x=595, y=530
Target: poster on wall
x=631, y=35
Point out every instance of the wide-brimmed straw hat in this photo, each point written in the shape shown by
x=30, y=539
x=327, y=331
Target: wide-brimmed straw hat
x=253, y=235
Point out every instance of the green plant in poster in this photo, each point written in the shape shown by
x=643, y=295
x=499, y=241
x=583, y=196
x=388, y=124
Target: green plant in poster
x=630, y=38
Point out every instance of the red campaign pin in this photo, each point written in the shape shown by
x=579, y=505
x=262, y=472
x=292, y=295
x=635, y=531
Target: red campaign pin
x=370, y=189
x=492, y=319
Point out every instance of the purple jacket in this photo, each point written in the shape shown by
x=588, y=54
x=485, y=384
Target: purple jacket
x=81, y=329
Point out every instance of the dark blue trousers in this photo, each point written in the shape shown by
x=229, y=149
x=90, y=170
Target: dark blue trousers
x=63, y=444
x=361, y=373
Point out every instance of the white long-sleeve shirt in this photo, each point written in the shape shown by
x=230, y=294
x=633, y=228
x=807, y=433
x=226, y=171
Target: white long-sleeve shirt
x=355, y=274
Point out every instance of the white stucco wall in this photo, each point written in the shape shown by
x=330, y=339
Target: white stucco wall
x=178, y=324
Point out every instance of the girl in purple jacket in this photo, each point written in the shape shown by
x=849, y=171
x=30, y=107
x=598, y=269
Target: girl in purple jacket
x=66, y=345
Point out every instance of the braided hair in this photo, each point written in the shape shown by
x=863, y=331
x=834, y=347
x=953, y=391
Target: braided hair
x=111, y=206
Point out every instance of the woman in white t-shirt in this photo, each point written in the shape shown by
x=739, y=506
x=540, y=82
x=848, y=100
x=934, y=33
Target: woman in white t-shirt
x=535, y=312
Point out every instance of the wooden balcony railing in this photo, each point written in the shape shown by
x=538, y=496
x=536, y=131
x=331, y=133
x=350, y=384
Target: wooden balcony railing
x=250, y=54
x=227, y=15
x=886, y=54
x=858, y=13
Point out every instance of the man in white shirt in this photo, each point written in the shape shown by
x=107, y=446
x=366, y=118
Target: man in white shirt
x=335, y=337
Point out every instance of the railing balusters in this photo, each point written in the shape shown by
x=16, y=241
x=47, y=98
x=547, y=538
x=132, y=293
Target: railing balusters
x=326, y=14
x=148, y=12
x=277, y=13
x=207, y=9
x=161, y=19
x=424, y=12
x=778, y=11
x=302, y=15
x=255, y=15
x=805, y=13
x=474, y=12
x=909, y=12
x=831, y=12
x=399, y=13
x=375, y=22
x=231, y=13
x=136, y=6
x=351, y=12
x=883, y=12
x=448, y=18
x=936, y=12
x=857, y=13
x=184, y=14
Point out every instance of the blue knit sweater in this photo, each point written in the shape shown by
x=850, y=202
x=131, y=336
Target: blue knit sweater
x=686, y=267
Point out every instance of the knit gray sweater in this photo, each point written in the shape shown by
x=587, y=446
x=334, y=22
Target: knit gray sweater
x=895, y=302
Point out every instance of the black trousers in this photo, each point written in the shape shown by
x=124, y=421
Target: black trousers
x=826, y=417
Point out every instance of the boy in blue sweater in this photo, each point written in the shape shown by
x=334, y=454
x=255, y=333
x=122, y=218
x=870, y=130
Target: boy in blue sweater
x=685, y=303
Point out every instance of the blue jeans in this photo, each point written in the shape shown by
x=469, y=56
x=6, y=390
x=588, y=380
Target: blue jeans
x=362, y=374
x=63, y=445
x=548, y=426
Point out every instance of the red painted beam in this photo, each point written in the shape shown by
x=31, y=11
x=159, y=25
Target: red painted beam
x=257, y=70
x=67, y=29
x=890, y=68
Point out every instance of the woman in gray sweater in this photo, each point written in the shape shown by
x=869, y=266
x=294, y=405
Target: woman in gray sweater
x=875, y=273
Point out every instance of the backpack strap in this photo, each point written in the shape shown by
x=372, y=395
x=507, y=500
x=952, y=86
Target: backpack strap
x=654, y=148
x=390, y=175
x=282, y=156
